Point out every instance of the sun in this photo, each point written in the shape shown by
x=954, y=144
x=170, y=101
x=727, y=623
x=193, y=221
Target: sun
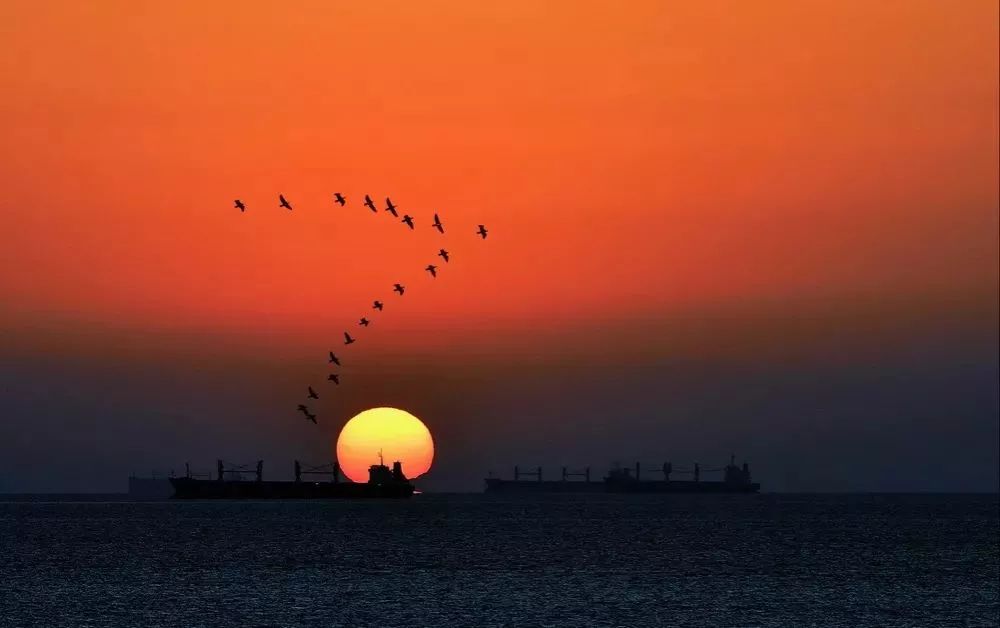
x=396, y=433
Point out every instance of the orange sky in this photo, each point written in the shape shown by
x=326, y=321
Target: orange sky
x=634, y=163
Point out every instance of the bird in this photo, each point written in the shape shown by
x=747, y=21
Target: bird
x=284, y=203
x=333, y=377
x=339, y=198
x=303, y=408
x=333, y=359
x=443, y=254
x=408, y=220
x=369, y=204
x=398, y=288
x=240, y=206
x=364, y=322
x=347, y=338
x=389, y=207
x=311, y=417
x=482, y=231
x=437, y=224
x=432, y=269
x=377, y=306
x=312, y=393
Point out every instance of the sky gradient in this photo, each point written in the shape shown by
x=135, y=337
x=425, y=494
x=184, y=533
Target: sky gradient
x=763, y=227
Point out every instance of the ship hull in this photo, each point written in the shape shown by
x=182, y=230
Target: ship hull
x=679, y=486
x=190, y=488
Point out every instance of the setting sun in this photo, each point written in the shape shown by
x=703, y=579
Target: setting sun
x=396, y=433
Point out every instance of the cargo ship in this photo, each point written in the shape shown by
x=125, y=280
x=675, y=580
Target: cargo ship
x=229, y=483
x=735, y=479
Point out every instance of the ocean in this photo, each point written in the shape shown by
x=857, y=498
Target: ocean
x=476, y=560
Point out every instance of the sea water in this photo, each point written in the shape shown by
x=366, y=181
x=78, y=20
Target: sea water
x=476, y=560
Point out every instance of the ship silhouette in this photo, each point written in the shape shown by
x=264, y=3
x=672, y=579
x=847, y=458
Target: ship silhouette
x=735, y=479
x=229, y=483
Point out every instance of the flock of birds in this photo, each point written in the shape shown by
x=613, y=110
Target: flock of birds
x=377, y=305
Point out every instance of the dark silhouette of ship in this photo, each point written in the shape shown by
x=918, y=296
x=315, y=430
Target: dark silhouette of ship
x=383, y=482
x=735, y=479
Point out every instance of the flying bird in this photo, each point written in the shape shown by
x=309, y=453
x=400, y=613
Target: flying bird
x=398, y=288
x=333, y=377
x=311, y=417
x=437, y=224
x=303, y=409
x=482, y=231
x=347, y=338
x=284, y=203
x=377, y=306
x=432, y=269
x=364, y=322
x=240, y=206
x=370, y=204
x=408, y=220
x=443, y=254
x=338, y=198
x=312, y=393
x=333, y=359
x=389, y=207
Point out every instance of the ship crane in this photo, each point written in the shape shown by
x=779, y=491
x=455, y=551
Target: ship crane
x=576, y=474
x=237, y=470
x=666, y=470
x=696, y=471
x=537, y=473
x=207, y=475
x=331, y=468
